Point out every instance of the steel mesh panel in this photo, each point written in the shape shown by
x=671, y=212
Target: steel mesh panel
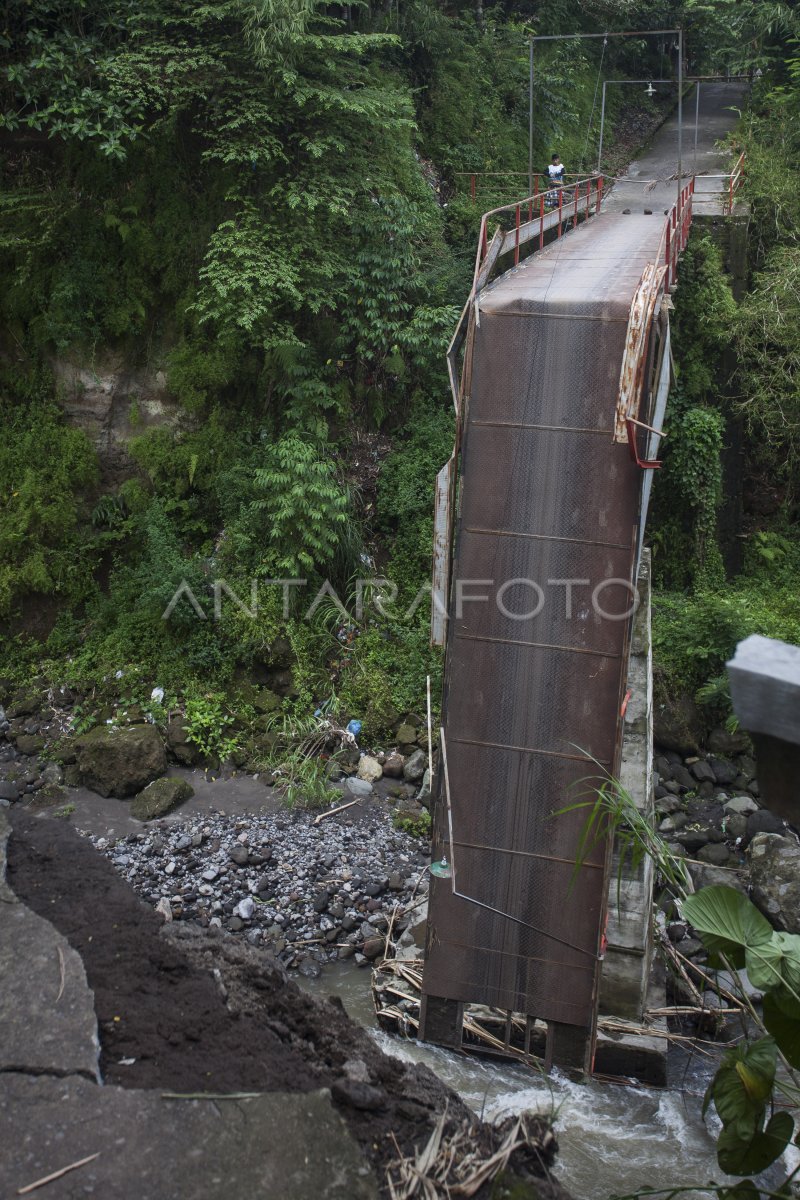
x=543, y=786
x=537, y=701
x=566, y=592
x=542, y=370
x=528, y=704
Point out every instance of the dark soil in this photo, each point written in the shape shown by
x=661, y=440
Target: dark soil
x=202, y=1011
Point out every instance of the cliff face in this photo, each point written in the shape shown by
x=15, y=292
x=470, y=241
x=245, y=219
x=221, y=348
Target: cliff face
x=112, y=403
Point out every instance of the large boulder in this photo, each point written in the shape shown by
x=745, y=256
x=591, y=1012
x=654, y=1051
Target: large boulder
x=369, y=769
x=676, y=723
x=775, y=877
x=414, y=768
x=160, y=797
x=120, y=761
x=178, y=744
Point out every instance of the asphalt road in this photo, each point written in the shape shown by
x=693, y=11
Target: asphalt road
x=718, y=115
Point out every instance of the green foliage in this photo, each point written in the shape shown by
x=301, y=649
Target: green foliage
x=694, y=636
x=768, y=350
x=299, y=508
x=742, y=1090
x=419, y=828
x=704, y=312
x=208, y=726
x=406, y=491
x=40, y=510
x=688, y=493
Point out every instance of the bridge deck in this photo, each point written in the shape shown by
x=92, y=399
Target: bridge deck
x=532, y=698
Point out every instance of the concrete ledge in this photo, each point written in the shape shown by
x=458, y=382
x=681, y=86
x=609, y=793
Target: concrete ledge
x=276, y=1145
x=765, y=687
x=46, y=1006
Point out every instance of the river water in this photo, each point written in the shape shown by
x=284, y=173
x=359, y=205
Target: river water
x=613, y=1140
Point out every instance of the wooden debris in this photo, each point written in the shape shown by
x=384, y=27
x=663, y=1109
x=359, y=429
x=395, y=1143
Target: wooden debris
x=31, y=1187
x=331, y=811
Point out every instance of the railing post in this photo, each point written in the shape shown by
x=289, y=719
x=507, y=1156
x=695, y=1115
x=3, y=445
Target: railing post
x=560, y=208
x=576, y=201
x=588, y=195
x=599, y=193
x=516, y=239
x=668, y=255
x=541, y=221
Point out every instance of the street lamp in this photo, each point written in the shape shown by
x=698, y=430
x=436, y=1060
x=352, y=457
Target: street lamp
x=649, y=91
x=632, y=33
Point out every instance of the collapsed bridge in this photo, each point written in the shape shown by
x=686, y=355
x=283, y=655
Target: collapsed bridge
x=560, y=370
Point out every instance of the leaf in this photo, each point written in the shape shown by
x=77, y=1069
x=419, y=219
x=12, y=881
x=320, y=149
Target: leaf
x=727, y=922
x=738, y=1157
x=763, y=965
x=744, y=1082
x=785, y=1029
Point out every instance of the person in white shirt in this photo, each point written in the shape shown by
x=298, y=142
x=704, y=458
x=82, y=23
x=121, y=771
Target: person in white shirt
x=555, y=173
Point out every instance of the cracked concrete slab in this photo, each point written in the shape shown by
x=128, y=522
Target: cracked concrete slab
x=6, y=894
x=47, y=1015
x=151, y=1148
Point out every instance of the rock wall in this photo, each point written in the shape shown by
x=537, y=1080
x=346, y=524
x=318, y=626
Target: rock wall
x=113, y=403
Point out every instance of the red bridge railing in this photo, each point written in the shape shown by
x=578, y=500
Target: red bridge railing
x=559, y=209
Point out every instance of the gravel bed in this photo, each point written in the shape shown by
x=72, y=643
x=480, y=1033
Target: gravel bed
x=313, y=893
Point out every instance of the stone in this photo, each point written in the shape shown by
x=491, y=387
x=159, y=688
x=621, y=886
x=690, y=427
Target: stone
x=721, y=741
x=165, y=909
x=764, y=821
x=414, y=769
x=668, y=804
x=47, y=1026
x=160, y=797
x=706, y=875
x=357, y=789
x=373, y=946
x=673, y=823
x=393, y=766
x=743, y=805
x=53, y=773
x=178, y=744
x=724, y=771
x=210, y=874
x=239, y=855
x=424, y=794
x=8, y=790
x=120, y=762
x=736, y=827
x=715, y=853
x=406, y=734
x=266, y=701
x=775, y=876
x=699, y=835
x=369, y=769
x=675, y=721
x=30, y=743
x=24, y=703
x=321, y=901
x=684, y=779
x=664, y=767
x=703, y=773
x=245, y=908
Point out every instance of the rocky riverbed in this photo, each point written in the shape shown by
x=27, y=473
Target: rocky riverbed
x=314, y=893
